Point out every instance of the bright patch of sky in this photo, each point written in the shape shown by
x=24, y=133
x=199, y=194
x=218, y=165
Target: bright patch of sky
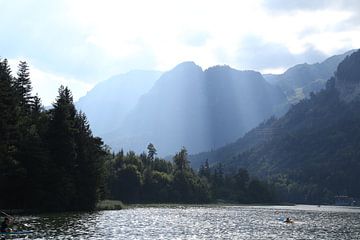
x=79, y=43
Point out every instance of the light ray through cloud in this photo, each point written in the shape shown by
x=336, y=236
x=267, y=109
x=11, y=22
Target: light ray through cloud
x=89, y=41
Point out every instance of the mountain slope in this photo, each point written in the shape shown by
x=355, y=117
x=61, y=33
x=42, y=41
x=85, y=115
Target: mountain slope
x=312, y=153
x=299, y=81
x=198, y=109
x=107, y=104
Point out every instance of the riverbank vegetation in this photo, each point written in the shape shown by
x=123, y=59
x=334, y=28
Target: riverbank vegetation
x=146, y=179
x=110, y=205
x=50, y=161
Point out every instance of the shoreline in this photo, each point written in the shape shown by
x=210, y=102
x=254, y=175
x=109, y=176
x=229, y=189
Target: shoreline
x=114, y=205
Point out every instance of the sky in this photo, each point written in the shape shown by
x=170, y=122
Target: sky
x=79, y=43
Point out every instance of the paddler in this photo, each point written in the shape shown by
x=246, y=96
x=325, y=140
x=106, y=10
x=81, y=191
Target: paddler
x=5, y=225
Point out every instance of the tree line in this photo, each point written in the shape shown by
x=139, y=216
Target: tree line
x=50, y=160
x=144, y=178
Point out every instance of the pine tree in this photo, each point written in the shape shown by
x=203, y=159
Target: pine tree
x=151, y=151
x=22, y=85
x=181, y=160
x=204, y=170
x=36, y=157
x=8, y=119
x=11, y=171
x=61, y=139
x=89, y=168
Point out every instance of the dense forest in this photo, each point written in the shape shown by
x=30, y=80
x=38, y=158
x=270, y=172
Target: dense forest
x=145, y=178
x=50, y=160
x=311, y=154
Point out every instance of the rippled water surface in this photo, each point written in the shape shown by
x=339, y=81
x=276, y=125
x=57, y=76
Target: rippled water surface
x=201, y=222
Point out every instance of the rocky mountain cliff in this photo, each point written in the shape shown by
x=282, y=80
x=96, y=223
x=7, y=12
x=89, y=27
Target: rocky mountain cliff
x=107, y=104
x=311, y=153
x=198, y=109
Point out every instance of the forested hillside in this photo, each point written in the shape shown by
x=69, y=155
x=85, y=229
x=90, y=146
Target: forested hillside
x=312, y=153
x=299, y=81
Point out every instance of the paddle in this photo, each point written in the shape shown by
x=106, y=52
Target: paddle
x=13, y=218
x=7, y=215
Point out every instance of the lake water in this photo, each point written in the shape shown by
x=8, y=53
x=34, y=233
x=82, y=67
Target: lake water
x=201, y=222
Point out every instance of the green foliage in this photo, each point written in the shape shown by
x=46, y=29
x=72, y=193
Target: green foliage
x=11, y=170
x=181, y=160
x=140, y=179
x=22, y=86
x=48, y=159
x=312, y=153
x=151, y=151
x=238, y=187
x=110, y=205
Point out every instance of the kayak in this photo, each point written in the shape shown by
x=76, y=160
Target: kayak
x=16, y=233
x=291, y=221
x=282, y=219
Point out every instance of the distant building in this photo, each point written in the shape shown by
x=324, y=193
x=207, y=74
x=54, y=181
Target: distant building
x=344, y=201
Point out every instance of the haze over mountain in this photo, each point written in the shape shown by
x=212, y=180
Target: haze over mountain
x=312, y=152
x=107, y=104
x=299, y=81
x=212, y=104
x=198, y=109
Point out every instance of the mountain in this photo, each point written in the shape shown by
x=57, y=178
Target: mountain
x=312, y=153
x=299, y=81
x=107, y=104
x=198, y=109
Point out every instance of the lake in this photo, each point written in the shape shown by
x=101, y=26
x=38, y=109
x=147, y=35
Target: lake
x=201, y=222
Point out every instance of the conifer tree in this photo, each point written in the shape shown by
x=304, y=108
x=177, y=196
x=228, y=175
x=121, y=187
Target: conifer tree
x=22, y=85
x=63, y=150
x=89, y=167
x=10, y=169
x=151, y=151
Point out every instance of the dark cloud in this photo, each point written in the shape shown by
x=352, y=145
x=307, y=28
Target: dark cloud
x=254, y=53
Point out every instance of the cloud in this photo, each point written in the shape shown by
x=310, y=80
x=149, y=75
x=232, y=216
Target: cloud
x=46, y=84
x=90, y=40
x=35, y=30
x=310, y=5
x=256, y=53
x=195, y=38
x=47, y=34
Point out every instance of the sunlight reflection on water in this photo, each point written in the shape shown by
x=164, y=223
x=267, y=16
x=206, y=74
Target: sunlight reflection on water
x=202, y=222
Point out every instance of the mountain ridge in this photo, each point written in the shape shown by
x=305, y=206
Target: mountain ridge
x=114, y=117
x=122, y=91
x=311, y=153
x=204, y=100
x=299, y=81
